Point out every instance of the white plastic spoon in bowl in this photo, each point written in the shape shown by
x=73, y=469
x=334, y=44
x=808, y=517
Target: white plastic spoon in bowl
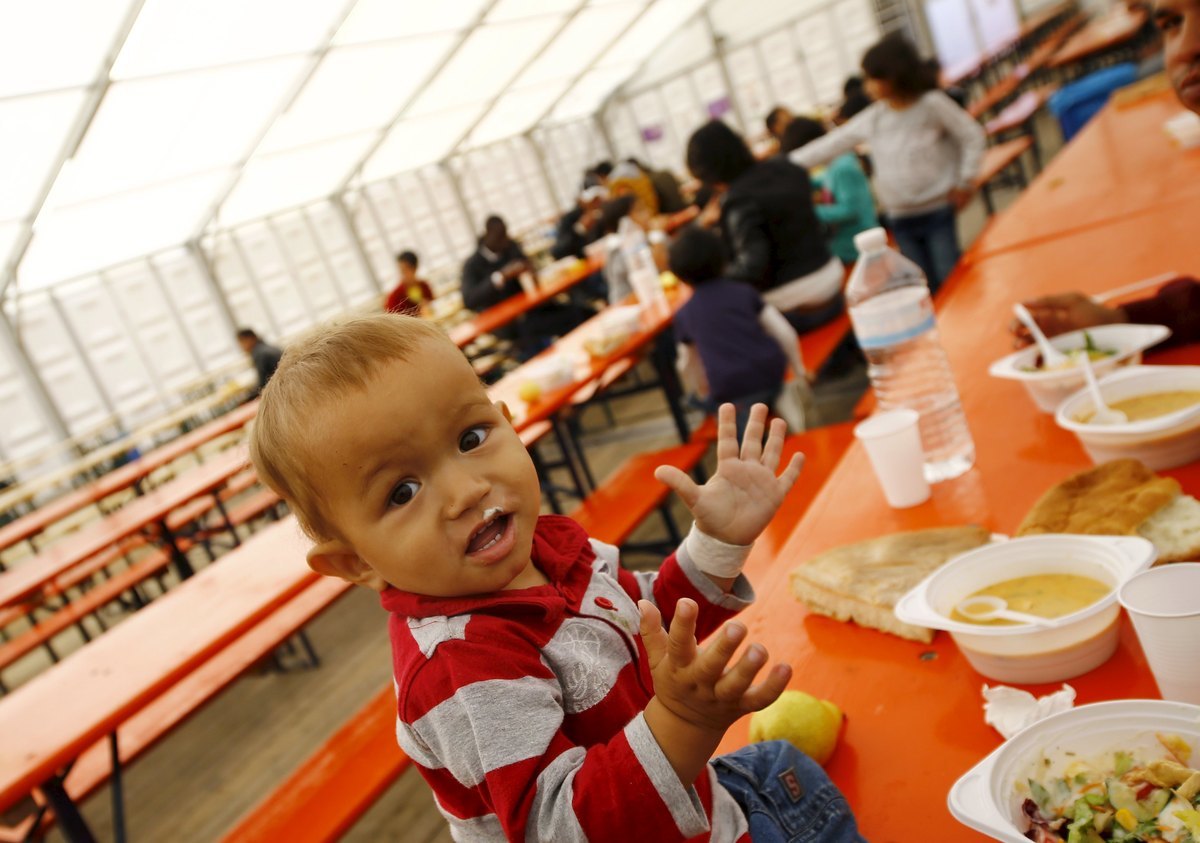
x=1052, y=358
x=988, y=608
x=1104, y=414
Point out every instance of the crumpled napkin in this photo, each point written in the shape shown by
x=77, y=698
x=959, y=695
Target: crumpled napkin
x=1009, y=710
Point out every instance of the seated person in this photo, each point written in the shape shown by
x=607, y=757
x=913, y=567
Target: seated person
x=851, y=208
x=626, y=179
x=263, y=355
x=666, y=187
x=1176, y=305
x=543, y=691
x=491, y=275
x=616, y=268
x=777, y=121
x=412, y=296
x=854, y=99
x=579, y=226
x=733, y=347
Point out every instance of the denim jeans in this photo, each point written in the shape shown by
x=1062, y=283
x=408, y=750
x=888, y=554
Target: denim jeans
x=929, y=240
x=786, y=795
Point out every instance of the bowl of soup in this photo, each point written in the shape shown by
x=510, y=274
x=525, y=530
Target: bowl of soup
x=1163, y=407
x=1108, y=347
x=1070, y=580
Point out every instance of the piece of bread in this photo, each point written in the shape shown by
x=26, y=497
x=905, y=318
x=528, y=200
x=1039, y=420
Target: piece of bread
x=1175, y=530
x=1117, y=498
x=862, y=582
x=1111, y=499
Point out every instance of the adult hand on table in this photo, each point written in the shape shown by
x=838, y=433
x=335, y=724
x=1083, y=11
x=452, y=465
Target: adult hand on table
x=1063, y=312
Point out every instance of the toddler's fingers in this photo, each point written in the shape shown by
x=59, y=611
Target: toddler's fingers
x=654, y=637
x=767, y=691
x=753, y=436
x=680, y=483
x=734, y=683
x=710, y=665
x=790, y=474
x=727, y=444
x=774, y=448
x=681, y=641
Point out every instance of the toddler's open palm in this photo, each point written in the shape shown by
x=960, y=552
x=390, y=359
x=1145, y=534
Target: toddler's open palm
x=738, y=502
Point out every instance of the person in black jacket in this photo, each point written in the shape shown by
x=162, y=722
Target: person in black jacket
x=264, y=355
x=492, y=274
x=771, y=231
x=579, y=226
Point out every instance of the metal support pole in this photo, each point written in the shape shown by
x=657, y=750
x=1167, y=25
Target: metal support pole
x=718, y=46
x=210, y=276
x=360, y=251
x=544, y=170
x=29, y=373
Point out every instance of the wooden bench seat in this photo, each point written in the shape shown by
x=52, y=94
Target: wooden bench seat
x=996, y=160
x=1020, y=111
x=155, y=721
x=612, y=512
x=336, y=785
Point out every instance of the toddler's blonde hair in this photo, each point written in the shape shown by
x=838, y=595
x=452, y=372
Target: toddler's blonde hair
x=321, y=366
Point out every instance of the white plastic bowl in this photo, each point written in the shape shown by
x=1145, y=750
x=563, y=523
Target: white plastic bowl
x=1024, y=653
x=1162, y=442
x=986, y=799
x=1048, y=389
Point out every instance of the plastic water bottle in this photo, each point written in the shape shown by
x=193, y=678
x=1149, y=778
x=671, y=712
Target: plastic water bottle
x=892, y=314
x=643, y=272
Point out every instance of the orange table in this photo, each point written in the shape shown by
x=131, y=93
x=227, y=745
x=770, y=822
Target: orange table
x=36, y=573
x=654, y=320
x=1112, y=30
x=506, y=311
x=1122, y=164
x=914, y=716
x=52, y=719
x=123, y=477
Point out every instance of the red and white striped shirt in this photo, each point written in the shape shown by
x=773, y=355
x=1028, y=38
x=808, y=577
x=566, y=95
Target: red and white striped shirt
x=524, y=709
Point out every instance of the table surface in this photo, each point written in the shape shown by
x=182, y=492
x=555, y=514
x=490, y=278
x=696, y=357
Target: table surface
x=31, y=575
x=653, y=321
x=1123, y=164
x=1103, y=33
x=499, y=315
x=61, y=712
x=914, y=715
x=122, y=477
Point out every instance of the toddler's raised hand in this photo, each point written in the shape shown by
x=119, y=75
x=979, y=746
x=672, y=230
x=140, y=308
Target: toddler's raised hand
x=742, y=497
x=697, y=685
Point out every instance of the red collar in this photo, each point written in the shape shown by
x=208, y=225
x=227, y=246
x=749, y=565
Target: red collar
x=560, y=550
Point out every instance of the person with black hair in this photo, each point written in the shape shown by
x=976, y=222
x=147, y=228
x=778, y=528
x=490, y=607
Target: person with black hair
x=732, y=346
x=598, y=176
x=665, y=185
x=492, y=274
x=579, y=226
x=925, y=149
x=851, y=206
x=770, y=228
x=777, y=121
x=412, y=296
x=263, y=355
x=854, y=99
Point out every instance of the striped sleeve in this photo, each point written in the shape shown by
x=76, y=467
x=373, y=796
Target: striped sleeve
x=486, y=725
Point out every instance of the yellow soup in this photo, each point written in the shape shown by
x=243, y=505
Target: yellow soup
x=1155, y=404
x=1044, y=595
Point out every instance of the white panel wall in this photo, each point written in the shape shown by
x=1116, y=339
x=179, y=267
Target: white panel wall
x=373, y=236
x=459, y=232
x=206, y=329
x=288, y=303
x=788, y=75
x=302, y=256
x=116, y=357
x=341, y=255
x=238, y=285
x=59, y=365
x=571, y=148
x=151, y=320
x=24, y=426
x=435, y=251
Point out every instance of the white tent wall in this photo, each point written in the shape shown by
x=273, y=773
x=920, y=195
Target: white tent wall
x=799, y=61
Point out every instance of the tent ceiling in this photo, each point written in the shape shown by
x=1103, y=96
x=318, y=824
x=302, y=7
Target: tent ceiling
x=132, y=125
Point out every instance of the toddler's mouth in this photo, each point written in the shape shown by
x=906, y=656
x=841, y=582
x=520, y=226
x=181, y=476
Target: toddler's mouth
x=489, y=533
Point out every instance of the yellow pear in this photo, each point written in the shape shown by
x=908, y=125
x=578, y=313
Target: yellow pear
x=812, y=725
x=529, y=392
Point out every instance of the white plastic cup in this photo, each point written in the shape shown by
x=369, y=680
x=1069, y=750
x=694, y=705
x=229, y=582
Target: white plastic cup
x=1164, y=604
x=528, y=283
x=893, y=443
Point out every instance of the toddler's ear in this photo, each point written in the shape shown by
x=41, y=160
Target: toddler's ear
x=336, y=559
x=503, y=408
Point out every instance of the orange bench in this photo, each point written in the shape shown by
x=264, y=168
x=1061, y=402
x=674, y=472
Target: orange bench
x=996, y=160
x=334, y=786
x=612, y=512
x=142, y=731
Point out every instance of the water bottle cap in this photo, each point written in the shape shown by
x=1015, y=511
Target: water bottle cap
x=871, y=240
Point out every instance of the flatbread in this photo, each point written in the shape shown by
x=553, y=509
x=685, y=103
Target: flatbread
x=1112, y=499
x=862, y=582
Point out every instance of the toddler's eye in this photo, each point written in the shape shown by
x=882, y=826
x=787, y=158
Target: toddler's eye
x=472, y=439
x=403, y=493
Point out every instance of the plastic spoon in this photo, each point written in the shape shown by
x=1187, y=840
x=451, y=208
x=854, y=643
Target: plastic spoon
x=1052, y=358
x=1104, y=414
x=987, y=608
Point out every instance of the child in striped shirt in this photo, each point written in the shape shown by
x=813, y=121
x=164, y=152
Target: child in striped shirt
x=539, y=691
